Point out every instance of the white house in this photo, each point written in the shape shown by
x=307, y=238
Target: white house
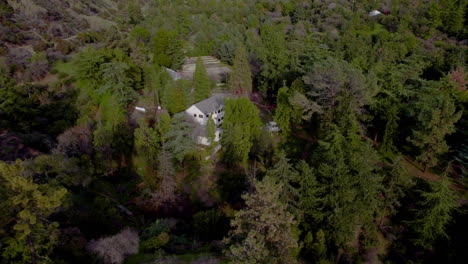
x=212, y=107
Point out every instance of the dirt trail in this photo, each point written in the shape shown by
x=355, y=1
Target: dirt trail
x=415, y=171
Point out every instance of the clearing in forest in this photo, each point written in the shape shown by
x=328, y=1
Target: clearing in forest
x=216, y=70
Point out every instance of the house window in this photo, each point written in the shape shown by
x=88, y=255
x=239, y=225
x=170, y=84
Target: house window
x=219, y=120
x=195, y=115
x=206, y=116
x=222, y=118
x=219, y=111
x=200, y=116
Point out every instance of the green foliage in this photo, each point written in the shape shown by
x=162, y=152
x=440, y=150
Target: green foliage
x=140, y=34
x=349, y=186
x=155, y=242
x=285, y=112
x=210, y=225
x=241, y=126
x=351, y=77
x=436, y=116
x=167, y=49
x=396, y=181
x=263, y=232
x=231, y=186
x=179, y=139
x=134, y=12
x=316, y=245
x=210, y=129
x=436, y=210
x=332, y=81
x=272, y=53
x=27, y=234
x=285, y=173
x=68, y=171
x=149, y=143
x=201, y=83
x=174, y=96
x=240, y=80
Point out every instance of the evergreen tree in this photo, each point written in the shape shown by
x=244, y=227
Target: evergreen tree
x=210, y=129
x=435, y=211
x=263, y=232
x=285, y=112
x=338, y=209
x=396, y=182
x=390, y=131
x=27, y=234
x=179, y=139
x=274, y=57
x=174, y=97
x=149, y=142
x=349, y=183
x=436, y=116
x=201, y=82
x=241, y=126
x=240, y=79
x=167, y=49
x=283, y=172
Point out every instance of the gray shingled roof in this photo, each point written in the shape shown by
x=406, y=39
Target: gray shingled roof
x=211, y=104
x=174, y=75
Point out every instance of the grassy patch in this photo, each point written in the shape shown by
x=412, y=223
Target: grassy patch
x=66, y=67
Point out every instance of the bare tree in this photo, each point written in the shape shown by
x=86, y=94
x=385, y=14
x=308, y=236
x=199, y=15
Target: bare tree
x=114, y=249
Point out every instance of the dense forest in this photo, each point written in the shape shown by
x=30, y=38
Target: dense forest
x=370, y=164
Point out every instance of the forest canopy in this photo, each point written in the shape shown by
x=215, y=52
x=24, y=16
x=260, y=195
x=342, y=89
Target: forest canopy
x=220, y=131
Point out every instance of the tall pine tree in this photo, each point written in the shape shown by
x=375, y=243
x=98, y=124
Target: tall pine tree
x=436, y=115
x=241, y=126
x=240, y=79
x=201, y=82
x=263, y=232
x=435, y=211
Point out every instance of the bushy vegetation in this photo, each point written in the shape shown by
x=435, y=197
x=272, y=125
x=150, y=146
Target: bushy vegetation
x=370, y=164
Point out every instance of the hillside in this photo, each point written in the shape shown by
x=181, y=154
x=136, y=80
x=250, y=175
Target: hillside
x=221, y=131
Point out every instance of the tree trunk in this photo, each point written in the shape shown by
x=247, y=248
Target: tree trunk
x=32, y=250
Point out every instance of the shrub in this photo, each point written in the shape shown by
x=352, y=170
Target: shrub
x=113, y=249
x=159, y=226
x=155, y=242
x=65, y=47
x=232, y=185
x=40, y=46
x=210, y=225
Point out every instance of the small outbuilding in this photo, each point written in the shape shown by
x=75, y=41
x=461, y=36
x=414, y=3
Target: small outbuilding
x=374, y=13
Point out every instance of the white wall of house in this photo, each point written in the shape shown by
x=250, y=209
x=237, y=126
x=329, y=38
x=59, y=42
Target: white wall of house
x=197, y=115
x=202, y=118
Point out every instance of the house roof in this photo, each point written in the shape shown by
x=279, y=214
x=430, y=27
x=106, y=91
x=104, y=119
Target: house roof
x=374, y=13
x=174, y=75
x=211, y=104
